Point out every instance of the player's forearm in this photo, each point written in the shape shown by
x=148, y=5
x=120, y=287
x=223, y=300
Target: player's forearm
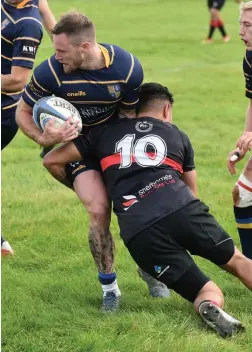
x=190, y=179
x=11, y=84
x=48, y=18
x=25, y=122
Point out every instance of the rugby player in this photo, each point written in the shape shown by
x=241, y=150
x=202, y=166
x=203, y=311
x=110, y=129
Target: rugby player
x=242, y=191
x=216, y=21
x=102, y=81
x=148, y=168
x=22, y=31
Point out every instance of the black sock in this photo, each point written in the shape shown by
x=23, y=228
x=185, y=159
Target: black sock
x=243, y=217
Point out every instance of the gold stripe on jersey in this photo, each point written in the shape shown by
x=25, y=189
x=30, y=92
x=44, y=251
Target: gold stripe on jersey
x=45, y=90
x=131, y=69
x=7, y=58
x=14, y=93
x=21, y=19
x=130, y=103
x=250, y=91
x=105, y=53
x=22, y=4
x=36, y=7
x=28, y=18
x=93, y=82
x=22, y=58
x=28, y=38
x=247, y=61
x=8, y=41
x=245, y=74
x=10, y=106
x=30, y=96
x=54, y=73
x=6, y=13
x=113, y=55
x=94, y=101
x=97, y=123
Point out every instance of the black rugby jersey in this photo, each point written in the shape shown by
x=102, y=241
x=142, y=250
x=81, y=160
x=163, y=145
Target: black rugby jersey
x=142, y=160
x=21, y=34
x=95, y=93
x=247, y=69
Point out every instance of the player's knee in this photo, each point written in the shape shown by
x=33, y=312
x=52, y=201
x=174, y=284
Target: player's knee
x=237, y=264
x=99, y=212
x=48, y=161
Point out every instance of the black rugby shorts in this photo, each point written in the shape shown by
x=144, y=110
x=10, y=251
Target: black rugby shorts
x=216, y=4
x=162, y=249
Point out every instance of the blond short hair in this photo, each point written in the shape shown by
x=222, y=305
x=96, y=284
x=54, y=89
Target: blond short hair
x=245, y=6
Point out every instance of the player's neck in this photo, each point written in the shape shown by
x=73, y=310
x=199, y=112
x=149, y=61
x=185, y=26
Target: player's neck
x=95, y=60
x=154, y=115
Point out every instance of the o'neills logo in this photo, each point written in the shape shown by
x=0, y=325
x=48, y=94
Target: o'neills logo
x=80, y=93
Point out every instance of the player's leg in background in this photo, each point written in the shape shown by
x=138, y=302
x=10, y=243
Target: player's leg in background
x=91, y=191
x=9, y=129
x=220, y=23
x=242, y=200
x=213, y=22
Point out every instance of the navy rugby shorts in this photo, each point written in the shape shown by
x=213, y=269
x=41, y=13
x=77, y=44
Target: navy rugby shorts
x=9, y=127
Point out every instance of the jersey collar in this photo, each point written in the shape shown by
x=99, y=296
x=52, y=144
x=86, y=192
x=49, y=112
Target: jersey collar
x=106, y=55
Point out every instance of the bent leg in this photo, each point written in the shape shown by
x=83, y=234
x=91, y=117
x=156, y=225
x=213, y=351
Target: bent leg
x=241, y=267
x=91, y=191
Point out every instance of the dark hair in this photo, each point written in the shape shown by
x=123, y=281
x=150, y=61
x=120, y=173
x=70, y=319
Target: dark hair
x=151, y=93
x=76, y=25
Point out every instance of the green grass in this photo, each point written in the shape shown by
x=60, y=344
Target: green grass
x=50, y=292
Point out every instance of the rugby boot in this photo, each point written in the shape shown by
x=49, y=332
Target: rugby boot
x=6, y=249
x=156, y=288
x=110, y=302
x=220, y=321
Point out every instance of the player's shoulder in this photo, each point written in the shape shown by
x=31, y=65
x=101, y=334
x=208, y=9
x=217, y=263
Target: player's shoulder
x=248, y=58
x=117, y=54
x=48, y=68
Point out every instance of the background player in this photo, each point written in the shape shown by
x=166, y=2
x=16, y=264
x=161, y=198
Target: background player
x=216, y=21
x=148, y=165
x=21, y=33
x=102, y=81
x=242, y=191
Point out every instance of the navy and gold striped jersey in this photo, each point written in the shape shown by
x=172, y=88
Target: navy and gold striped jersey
x=97, y=94
x=21, y=33
x=247, y=69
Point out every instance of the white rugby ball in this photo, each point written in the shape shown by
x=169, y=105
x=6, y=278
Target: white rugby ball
x=55, y=108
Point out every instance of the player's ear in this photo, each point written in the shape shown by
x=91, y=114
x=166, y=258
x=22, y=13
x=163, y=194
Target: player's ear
x=167, y=112
x=84, y=46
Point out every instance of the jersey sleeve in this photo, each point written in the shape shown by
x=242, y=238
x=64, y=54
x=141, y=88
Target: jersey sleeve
x=25, y=45
x=247, y=69
x=40, y=85
x=132, y=85
x=188, y=164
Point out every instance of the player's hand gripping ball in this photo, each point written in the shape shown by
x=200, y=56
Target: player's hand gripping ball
x=57, y=109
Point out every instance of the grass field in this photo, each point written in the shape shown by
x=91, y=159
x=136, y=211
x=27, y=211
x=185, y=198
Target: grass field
x=50, y=292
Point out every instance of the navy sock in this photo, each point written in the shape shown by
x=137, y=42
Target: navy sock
x=243, y=217
x=2, y=240
x=106, y=279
